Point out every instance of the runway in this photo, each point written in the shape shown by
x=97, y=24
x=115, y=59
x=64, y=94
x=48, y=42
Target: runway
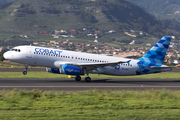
x=65, y=84
x=44, y=69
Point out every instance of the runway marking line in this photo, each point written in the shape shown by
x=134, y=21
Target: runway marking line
x=88, y=86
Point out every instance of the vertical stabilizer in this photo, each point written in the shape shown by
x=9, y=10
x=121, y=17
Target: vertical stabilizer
x=155, y=56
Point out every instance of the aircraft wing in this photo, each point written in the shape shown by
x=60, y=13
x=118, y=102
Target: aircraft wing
x=94, y=66
x=100, y=64
x=91, y=66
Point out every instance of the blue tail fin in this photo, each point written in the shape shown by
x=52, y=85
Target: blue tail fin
x=155, y=56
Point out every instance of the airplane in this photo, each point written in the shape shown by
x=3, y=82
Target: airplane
x=79, y=63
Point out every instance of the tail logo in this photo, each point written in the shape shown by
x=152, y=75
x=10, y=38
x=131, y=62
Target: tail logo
x=154, y=57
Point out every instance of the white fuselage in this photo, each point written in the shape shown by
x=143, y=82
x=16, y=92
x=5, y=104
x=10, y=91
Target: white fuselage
x=48, y=57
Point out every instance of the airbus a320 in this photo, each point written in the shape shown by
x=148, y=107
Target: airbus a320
x=77, y=63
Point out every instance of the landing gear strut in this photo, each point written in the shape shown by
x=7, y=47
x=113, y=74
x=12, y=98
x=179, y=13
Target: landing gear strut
x=78, y=78
x=25, y=70
x=87, y=79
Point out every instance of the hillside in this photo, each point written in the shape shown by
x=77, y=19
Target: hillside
x=18, y=18
x=77, y=14
x=3, y=1
x=161, y=8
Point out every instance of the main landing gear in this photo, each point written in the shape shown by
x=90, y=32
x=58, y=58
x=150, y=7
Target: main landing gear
x=25, y=70
x=78, y=78
x=87, y=79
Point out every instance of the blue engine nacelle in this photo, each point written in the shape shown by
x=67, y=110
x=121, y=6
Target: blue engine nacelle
x=66, y=69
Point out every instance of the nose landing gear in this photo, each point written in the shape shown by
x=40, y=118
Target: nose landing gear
x=25, y=70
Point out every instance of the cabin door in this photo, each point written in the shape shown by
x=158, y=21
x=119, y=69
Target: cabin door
x=29, y=52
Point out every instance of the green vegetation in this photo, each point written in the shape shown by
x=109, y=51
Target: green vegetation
x=13, y=64
x=122, y=16
x=164, y=75
x=160, y=8
x=3, y=1
x=93, y=104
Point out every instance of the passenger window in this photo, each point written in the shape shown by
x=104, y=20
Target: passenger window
x=19, y=50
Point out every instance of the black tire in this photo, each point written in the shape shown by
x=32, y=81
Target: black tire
x=24, y=72
x=88, y=79
x=78, y=78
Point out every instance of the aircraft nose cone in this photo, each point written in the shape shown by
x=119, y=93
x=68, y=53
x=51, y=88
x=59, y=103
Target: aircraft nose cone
x=5, y=55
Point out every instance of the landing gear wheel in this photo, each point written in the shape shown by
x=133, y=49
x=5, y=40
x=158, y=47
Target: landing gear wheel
x=88, y=79
x=24, y=72
x=78, y=78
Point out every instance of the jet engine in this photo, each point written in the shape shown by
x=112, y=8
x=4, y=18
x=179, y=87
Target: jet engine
x=66, y=69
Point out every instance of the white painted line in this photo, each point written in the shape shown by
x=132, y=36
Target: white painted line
x=90, y=86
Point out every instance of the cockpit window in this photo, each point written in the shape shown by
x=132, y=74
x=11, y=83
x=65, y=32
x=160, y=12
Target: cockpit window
x=17, y=50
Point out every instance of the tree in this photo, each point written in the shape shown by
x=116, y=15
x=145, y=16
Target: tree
x=1, y=55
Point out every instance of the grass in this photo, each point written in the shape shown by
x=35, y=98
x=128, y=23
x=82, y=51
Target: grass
x=166, y=75
x=15, y=65
x=93, y=104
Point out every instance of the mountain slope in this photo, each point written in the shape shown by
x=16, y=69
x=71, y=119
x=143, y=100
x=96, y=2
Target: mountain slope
x=104, y=15
x=161, y=8
x=3, y=1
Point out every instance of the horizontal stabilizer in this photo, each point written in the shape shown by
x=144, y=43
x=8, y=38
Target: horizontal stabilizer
x=162, y=68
